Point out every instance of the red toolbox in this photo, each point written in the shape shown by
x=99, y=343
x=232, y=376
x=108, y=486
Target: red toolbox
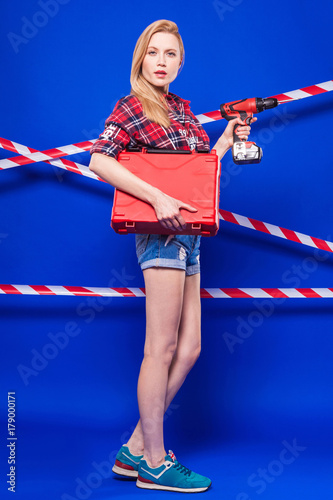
x=188, y=176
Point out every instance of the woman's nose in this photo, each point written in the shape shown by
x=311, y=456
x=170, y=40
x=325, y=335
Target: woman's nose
x=161, y=61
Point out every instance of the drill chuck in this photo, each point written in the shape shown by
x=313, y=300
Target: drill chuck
x=267, y=103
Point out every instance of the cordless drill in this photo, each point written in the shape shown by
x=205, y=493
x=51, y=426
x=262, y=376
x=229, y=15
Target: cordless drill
x=244, y=152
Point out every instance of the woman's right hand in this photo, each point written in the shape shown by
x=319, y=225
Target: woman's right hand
x=167, y=211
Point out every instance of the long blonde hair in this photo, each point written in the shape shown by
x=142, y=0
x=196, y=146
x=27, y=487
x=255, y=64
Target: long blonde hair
x=154, y=105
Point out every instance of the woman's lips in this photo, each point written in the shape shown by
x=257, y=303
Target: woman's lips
x=160, y=74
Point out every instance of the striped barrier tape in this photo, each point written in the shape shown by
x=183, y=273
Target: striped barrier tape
x=33, y=155
x=71, y=149
x=294, y=95
x=206, y=293
x=223, y=214
x=281, y=232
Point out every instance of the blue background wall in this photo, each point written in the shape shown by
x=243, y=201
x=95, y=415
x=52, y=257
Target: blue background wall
x=242, y=405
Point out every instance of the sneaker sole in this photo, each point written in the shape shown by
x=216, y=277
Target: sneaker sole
x=124, y=472
x=154, y=486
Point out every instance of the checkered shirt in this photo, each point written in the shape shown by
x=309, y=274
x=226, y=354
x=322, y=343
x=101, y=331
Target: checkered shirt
x=127, y=126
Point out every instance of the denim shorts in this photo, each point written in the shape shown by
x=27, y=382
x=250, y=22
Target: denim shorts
x=177, y=251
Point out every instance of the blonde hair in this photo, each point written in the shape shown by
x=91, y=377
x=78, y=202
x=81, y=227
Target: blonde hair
x=153, y=103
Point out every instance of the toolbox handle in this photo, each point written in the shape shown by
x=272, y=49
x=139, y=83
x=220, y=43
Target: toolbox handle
x=136, y=149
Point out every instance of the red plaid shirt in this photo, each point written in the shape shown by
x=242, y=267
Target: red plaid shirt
x=128, y=126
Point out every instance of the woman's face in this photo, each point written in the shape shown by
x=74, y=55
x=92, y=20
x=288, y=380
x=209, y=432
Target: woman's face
x=162, y=60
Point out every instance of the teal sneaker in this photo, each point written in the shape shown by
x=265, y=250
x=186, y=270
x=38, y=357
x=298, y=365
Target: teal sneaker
x=171, y=476
x=126, y=464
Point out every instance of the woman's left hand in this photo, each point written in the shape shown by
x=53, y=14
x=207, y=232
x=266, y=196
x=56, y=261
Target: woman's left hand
x=226, y=140
x=243, y=131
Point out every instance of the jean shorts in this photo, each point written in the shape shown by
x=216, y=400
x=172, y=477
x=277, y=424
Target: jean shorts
x=177, y=251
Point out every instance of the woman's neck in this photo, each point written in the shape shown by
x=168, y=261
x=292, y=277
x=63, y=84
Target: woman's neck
x=162, y=91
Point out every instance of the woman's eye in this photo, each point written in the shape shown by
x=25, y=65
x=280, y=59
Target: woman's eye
x=153, y=52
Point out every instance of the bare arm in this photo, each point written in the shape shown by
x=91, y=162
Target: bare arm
x=111, y=171
x=167, y=209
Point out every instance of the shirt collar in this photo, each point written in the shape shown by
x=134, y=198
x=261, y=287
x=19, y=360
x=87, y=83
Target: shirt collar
x=175, y=97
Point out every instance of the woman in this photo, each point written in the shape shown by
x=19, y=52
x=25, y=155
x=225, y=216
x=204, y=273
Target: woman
x=151, y=116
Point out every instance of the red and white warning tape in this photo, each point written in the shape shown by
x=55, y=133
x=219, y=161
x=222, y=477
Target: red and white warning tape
x=281, y=232
x=224, y=214
x=264, y=227
x=49, y=156
x=294, y=95
x=206, y=293
x=71, y=149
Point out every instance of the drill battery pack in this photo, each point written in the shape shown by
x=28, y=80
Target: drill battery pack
x=192, y=177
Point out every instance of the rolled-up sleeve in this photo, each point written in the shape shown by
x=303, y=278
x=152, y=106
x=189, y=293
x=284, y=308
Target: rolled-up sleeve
x=112, y=141
x=119, y=128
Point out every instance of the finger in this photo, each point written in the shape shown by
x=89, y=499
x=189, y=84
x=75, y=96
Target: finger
x=167, y=224
x=181, y=223
x=243, y=122
x=252, y=120
x=188, y=207
x=170, y=224
x=176, y=224
x=239, y=121
x=243, y=130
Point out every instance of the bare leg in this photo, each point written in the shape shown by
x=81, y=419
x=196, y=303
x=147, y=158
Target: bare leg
x=164, y=301
x=187, y=352
x=189, y=338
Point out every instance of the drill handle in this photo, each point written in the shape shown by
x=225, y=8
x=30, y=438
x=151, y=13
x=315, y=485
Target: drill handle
x=247, y=117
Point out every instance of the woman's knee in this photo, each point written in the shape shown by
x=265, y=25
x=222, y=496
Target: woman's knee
x=161, y=353
x=187, y=356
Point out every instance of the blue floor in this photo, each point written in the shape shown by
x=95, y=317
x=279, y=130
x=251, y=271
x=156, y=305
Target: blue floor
x=57, y=462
